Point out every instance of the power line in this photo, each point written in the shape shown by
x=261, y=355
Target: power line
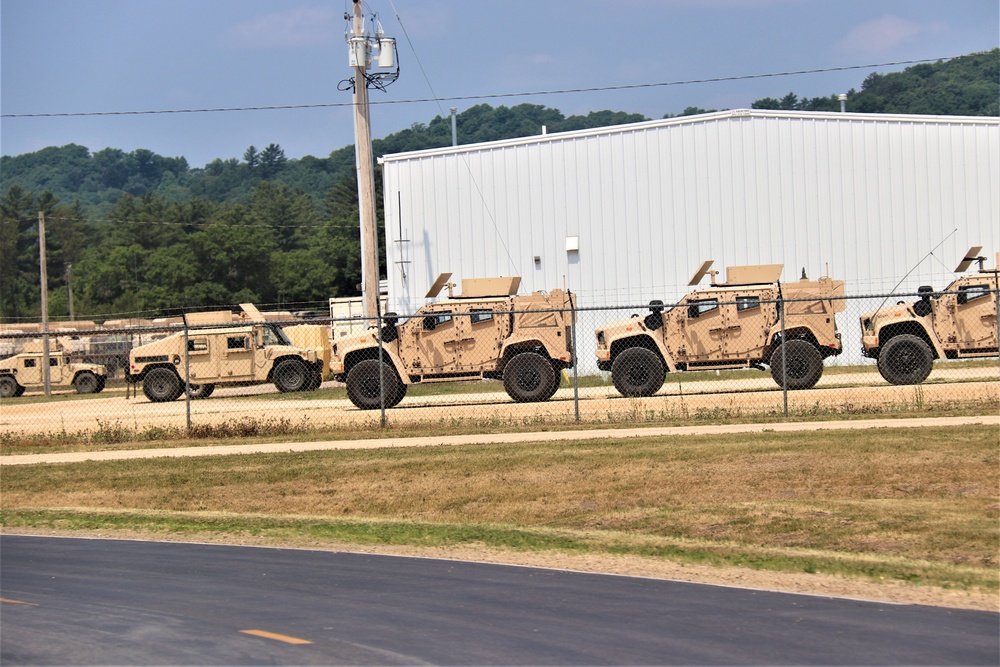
x=319, y=224
x=564, y=91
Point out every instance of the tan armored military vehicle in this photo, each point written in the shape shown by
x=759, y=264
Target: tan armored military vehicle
x=24, y=371
x=735, y=324
x=252, y=352
x=484, y=332
x=958, y=323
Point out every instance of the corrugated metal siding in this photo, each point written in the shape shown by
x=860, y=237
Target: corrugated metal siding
x=866, y=195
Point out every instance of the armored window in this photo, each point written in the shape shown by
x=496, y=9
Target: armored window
x=30, y=363
x=236, y=343
x=434, y=320
x=702, y=306
x=480, y=315
x=967, y=293
x=53, y=361
x=197, y=345
x=747, y=303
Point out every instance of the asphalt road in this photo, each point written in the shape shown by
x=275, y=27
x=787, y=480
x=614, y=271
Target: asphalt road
x=84, y=601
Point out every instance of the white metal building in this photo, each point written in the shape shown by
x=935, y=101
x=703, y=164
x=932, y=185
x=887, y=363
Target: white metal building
x=624, y=214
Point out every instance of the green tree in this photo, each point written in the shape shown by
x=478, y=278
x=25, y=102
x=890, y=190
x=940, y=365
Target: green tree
x=272, y=160
x=17, y=214
x=251, y=157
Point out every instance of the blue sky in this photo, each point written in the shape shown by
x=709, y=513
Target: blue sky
x=70, y=56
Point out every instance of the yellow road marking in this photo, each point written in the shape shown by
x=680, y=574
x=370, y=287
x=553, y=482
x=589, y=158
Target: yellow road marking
x=9, y=601
x=276, y=637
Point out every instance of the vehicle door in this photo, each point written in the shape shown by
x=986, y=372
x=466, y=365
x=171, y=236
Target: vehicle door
x=976, y=316
x=31, y=370
x=703, y=328
x=481, y=330
x=200, y=359
x=748, y=320
x=238, y=351
x=429, y=342
x=57, y=369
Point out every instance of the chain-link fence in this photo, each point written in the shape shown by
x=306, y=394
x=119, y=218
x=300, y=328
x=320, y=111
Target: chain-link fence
x=738, y=353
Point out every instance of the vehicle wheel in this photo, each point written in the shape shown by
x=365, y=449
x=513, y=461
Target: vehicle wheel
x=20, y=391
x=9, y=387
x=905, y=359
x=803, y=364
x=85, y=383
x=101, y=382
x=363, y=385
x=291, y=375
x=162, y=385
x=201, y=390
x=528, y=378
x=638, y=371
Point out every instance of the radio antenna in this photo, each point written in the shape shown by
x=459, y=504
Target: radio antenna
x=921, y=261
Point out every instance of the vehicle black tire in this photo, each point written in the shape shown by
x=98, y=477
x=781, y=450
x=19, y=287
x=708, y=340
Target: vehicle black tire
x=363, y=382
x=529, y=377
x=102, y=381
x=201, y=390
x=555, y=385
x=9, y=387
x=638, y=371
x=315, y=380
x=400, y=395
x=905, y=359
x=162, y=385
x=291, y=375
x=803, y=364
x=85, y=383
x=20, y=390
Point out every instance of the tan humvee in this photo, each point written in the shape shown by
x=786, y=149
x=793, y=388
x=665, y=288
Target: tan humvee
x=958, y=323
x=484, y=332
x=255, y=352
x=24, y=371
x=731, y=325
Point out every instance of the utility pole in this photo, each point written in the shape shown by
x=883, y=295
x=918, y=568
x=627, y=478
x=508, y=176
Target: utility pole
x=46, y=374
x=365, y=166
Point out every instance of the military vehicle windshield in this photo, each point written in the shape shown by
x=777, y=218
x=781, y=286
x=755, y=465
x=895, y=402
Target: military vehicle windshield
x=273, y=335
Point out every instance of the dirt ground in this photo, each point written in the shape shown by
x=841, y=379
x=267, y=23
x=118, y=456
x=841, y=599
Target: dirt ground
x=596, y=404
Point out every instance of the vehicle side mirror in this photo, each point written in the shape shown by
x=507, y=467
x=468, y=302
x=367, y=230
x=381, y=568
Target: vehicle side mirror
x=430, y=322
x=693, y=312
x=963, y=298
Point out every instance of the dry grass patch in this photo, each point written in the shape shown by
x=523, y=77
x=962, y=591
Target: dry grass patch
x=908, y=504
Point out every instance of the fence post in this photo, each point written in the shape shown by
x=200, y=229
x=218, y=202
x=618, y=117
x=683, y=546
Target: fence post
x=187, y=373
x=381, y=367
x=576, y=363
x=996, y=304
x=784, y=357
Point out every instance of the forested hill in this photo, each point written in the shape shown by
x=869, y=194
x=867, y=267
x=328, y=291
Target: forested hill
x=72, y=173
x=963, y=86
x=146, y=234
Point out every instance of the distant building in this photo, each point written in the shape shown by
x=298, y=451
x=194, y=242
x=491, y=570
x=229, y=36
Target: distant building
x=625, y=214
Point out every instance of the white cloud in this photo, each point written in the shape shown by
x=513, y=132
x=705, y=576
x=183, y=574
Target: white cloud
x=880, y=36
x=304, y=26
